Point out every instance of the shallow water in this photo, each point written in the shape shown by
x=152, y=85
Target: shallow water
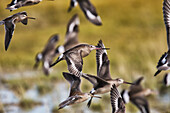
x=51, y=100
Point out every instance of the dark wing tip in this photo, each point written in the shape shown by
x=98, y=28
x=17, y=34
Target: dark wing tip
x=54, y=37
x=69, y=9
x=89, y=102
x=165, y=81
x=160, y=60
x=157, y=72
x=6, y=45
x=139, y=80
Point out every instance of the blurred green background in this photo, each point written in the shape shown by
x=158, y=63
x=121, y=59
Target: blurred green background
x=133, y=29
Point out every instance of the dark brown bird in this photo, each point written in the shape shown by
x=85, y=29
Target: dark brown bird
x=47, y=55
x=88, y=9
x=10, y=22
x=117, y=103
x=103, y=82
x=71, y=38
x=136, y=95
x=164, y=61
x=76, y=96
x=15, y=4
x=74, y=57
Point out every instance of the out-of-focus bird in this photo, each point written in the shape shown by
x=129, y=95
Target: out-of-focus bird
x=164, y=62
x=88, y=9
x=47, y=55
x=73, y=3
x=76, y=96
x=103, y=82
x=166, y=79
x=71, y=38
x=136, y=95
x=74, y=57
x=164, y=88
x=10, y=22
x=15, y=4
x=117, y=103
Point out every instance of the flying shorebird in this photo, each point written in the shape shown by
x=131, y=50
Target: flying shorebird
x=74, y=57
x=117, y=103
x=10, y=22
x=136, y=95
x=103, y=82
x=50, y=51
x=48, y=54
x=88, y=9
x=76, y=96
x=71, y=38
x=15, y=4
x=164, y=62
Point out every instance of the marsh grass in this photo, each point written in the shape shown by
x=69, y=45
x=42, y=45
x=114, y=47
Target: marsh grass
x=28, y=104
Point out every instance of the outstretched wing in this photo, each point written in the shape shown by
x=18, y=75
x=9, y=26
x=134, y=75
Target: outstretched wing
x=166, y=14
x=136, y=88
x=71, y=38
x=13, y=2
x=103, y=63
x=51, y=45
x=9, y=30
x=90, y=12
x=141, y=103
x=75, y=62
x=95, y=80
x=74, y=83
x=117, y=103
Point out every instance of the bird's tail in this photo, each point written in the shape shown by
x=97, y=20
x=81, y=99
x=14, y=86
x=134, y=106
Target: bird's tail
x=89, y=103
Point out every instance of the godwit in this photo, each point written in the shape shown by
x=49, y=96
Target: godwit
x=10, y=22
x=71, y=38
x=88, y=9
x=103, y=82
x=74, y=57
x=15, y=4
x=164, y=62
x=76, y=96
x=136, y=95
x=48, y=54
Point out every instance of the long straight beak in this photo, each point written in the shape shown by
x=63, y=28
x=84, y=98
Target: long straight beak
x=128, y=83
x=31, y=18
